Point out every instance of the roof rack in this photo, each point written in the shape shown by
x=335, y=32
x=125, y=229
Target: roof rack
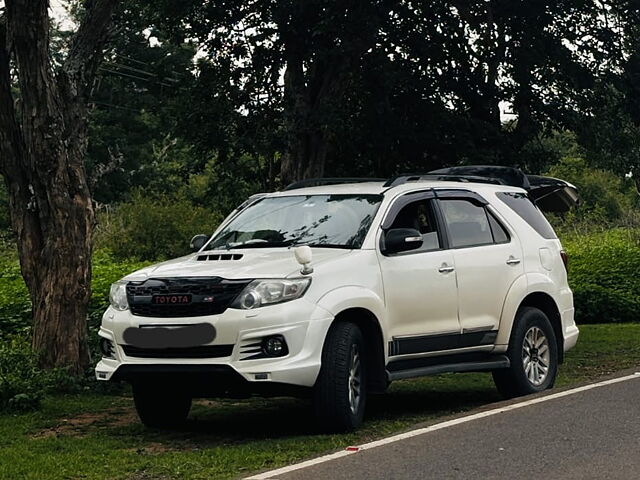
x=550, y=194
x=415, y=177
x=316, y=182
x=507, y=175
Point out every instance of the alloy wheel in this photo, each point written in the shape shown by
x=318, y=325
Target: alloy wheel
x=536, y=356
x=355, y=379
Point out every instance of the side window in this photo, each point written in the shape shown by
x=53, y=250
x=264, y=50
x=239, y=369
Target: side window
x=419, y=216
x=500, y=234
x=468, y=223
x=520, y=203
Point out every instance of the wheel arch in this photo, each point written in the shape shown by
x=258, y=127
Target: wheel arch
x=530, y=290
x=371, y=329
x=545, y=302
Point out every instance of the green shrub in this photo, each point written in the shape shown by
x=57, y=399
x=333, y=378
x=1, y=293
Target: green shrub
x=22, y=383
x=606, y=200
x=15, y=305
x=604, y=273
x=153, y=228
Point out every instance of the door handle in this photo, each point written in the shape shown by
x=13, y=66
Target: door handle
x=513, y=261
x=446, y=269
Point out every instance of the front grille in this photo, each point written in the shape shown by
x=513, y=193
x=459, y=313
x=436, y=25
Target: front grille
x=207, y=351
x=174, y=311
x=209, y=296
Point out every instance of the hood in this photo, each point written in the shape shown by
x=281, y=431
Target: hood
x=237, y=264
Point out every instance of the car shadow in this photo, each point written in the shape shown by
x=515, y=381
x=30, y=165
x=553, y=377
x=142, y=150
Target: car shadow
x=254, y=419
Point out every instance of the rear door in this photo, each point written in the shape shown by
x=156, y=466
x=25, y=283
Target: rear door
x=488, y=259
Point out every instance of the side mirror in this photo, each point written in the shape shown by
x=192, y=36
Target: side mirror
x=401, y=240
x=198, y=241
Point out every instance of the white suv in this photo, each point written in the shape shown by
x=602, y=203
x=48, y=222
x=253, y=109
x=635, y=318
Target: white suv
x=335, y=290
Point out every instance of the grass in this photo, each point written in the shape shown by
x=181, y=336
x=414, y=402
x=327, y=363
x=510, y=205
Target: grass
x=98, y=437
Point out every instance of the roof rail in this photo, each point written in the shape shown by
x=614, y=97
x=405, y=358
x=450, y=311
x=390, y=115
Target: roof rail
x=316, y=182
x=404, y=178
x=507, y=175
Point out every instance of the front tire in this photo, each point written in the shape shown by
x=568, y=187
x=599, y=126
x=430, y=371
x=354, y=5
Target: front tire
x=340, y=391
x=533, y=352
x=160, y=407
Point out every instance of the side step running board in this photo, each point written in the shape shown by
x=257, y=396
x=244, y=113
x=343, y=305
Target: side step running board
x=499, y=361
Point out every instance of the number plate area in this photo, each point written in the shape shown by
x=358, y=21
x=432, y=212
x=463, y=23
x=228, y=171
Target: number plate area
x=170, y=336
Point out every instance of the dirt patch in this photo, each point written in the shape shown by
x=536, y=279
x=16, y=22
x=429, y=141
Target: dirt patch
x=152, y=448
x=81, y=424
x=147, y=476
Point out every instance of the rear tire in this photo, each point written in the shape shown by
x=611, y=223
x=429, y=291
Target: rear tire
x=340, y=391
x=160, y=407
x=533, y=352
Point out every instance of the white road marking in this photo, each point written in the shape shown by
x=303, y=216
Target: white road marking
x=273, y=474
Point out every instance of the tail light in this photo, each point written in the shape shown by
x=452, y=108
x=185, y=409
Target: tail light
x=565, y=259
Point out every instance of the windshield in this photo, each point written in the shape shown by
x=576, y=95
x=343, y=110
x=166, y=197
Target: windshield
x=338, y=221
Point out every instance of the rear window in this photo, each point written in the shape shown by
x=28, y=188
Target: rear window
x=468, y=223
x=520, y=203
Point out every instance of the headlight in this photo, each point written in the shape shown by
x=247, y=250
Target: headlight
x=267, y=292
x=118, y=295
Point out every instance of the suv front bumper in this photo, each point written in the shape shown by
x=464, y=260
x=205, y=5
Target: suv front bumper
x=302, y=324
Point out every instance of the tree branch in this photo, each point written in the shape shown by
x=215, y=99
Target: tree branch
x=86, y=47
x=11, y=144
x=28, y=40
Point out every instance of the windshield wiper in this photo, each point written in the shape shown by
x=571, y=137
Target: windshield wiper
x=329, y=245
x=321, y=245
x=257, y=243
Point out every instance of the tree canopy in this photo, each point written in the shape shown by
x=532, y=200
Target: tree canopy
x=378, y=87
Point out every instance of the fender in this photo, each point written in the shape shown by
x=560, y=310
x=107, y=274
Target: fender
x=343, y=298
x=523, y=286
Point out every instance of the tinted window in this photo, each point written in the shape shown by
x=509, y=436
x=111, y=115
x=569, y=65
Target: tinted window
x=520, y=203
x=419, y=216
x=500, y=234
x=468, y=223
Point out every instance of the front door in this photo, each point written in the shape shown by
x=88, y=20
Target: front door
x=419, y=285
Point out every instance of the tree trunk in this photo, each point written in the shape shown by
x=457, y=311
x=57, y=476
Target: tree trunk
x=306, y=158
x=316, y=78
x=58, y=271
x=300, y=160
x=43, y=142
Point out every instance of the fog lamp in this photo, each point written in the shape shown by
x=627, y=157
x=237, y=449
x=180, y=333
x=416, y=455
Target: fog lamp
x=275, y=346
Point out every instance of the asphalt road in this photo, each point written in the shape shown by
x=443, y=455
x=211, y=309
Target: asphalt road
x=593, y=434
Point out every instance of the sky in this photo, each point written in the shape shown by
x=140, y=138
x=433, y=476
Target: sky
x=59, y=12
